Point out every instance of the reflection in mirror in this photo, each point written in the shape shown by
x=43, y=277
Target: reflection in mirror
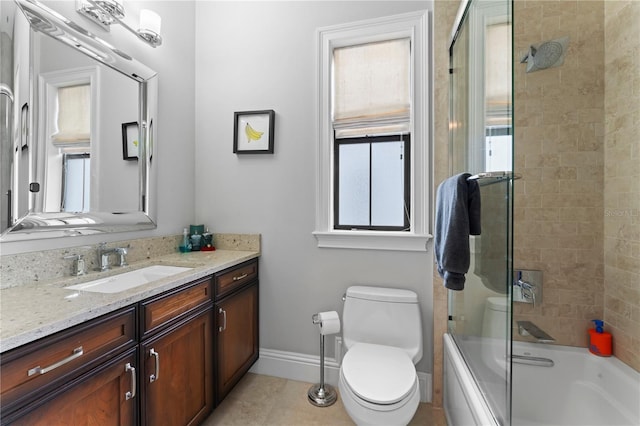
x=482, y=108
x=63, y=168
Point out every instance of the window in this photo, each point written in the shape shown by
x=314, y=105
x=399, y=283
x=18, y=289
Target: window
x=373, y=138
x=371, y=183
x=75, y=183
x=71, y=130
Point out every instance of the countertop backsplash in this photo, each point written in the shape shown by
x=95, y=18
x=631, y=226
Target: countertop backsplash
x=47, y=265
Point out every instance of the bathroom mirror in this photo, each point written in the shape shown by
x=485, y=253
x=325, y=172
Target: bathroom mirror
x=77, y=130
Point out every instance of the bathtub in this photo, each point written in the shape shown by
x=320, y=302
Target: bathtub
x=579, y=389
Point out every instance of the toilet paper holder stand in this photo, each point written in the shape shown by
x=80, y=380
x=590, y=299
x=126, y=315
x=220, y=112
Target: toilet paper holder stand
x=321, y=394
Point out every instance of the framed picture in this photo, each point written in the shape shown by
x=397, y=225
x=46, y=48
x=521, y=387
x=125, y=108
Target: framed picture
x=130, y=140
x=24, y=127
x=253, y=132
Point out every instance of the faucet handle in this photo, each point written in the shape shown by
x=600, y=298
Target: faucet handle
x=78, y=264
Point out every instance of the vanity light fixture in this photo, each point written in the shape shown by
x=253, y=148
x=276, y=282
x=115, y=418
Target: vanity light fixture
x=108, y=12
x=149, y=29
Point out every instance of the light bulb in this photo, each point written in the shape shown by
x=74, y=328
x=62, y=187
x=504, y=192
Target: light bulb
x=150, y=21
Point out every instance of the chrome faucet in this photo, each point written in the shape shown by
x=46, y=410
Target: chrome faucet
x=104, y=253
x=122, y=252
x=527, y=289
x=103, y=256
x=527, y=328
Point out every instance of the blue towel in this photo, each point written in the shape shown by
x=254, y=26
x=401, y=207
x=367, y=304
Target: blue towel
x=457, y=217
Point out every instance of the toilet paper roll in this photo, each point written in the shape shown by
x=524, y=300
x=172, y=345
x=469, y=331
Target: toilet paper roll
x=329, y=322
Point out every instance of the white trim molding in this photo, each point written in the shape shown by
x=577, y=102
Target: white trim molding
x=415, y=26
x=372, y=240
x=306, y=368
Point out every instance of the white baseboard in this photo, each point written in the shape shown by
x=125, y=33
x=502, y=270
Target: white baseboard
x=306, y=368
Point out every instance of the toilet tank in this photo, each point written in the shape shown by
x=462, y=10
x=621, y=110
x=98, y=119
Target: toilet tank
x=383, y=316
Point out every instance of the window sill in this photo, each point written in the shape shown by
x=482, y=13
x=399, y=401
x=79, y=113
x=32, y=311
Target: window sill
x=369, y=240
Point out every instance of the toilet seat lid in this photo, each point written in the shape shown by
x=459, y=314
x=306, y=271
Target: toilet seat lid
x=379, y=374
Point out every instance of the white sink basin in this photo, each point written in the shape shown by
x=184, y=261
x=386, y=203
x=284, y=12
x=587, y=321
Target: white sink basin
x=129, y=280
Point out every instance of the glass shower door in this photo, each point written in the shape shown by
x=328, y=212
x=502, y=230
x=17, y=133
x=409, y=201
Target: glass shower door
x=481, y=141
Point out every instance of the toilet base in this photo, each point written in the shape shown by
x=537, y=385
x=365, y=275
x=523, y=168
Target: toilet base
x=322, y=396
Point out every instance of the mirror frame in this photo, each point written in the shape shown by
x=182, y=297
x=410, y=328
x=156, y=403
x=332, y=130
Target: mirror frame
x=40, y=225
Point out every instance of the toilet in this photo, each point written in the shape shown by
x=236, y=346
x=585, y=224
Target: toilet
x=382, y=334
x=494, y=320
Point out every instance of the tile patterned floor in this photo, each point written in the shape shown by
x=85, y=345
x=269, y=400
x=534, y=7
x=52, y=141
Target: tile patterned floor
x=259, y=400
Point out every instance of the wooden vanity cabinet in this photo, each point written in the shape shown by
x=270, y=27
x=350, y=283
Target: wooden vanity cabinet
x=177, y=356
x=236, y=310
x=57, y=372
x=106, y=396
x=164, y=361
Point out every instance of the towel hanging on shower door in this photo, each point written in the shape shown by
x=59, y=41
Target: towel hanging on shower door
x=457, y=217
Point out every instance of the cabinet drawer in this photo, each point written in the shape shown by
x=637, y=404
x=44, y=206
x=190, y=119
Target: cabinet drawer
x=160, y=311
x=103, y=396
x=47, y=363
x=236, y=277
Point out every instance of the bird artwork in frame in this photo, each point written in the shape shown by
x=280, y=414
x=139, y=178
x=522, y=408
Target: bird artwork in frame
x=253, y=132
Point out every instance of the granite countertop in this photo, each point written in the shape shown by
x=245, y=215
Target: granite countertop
x=36, y=310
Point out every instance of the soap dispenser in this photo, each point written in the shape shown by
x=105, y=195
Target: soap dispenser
x=184, y=245
x=599, y=340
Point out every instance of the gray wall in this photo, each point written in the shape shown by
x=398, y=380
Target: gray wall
x=261, y=55
x=238, y=56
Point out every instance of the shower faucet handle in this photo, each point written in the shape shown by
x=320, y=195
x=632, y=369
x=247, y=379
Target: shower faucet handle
x=527, y=287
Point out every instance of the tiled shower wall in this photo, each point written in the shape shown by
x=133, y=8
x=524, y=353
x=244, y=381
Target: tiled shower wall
x=622, y=178
x=577, y=215
x=559, y=150
x=577, y=145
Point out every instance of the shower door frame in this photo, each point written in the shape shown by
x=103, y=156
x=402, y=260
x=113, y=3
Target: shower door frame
x=472, y=127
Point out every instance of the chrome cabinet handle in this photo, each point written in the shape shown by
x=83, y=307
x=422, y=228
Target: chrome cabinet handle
x=224, y=320
x=132, y=393
x=156, y=376
x=240, y=277
x=77, y=353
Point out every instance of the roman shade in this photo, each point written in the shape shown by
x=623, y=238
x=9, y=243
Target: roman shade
x=372, y=88
x=74, y=112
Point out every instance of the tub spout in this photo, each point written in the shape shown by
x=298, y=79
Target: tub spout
x=527, y=328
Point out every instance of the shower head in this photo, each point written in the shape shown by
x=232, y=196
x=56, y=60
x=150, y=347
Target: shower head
x=548, y=54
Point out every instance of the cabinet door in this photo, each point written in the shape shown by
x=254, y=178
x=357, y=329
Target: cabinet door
x=177, y=373
x=104, y=396
x=237, y=338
